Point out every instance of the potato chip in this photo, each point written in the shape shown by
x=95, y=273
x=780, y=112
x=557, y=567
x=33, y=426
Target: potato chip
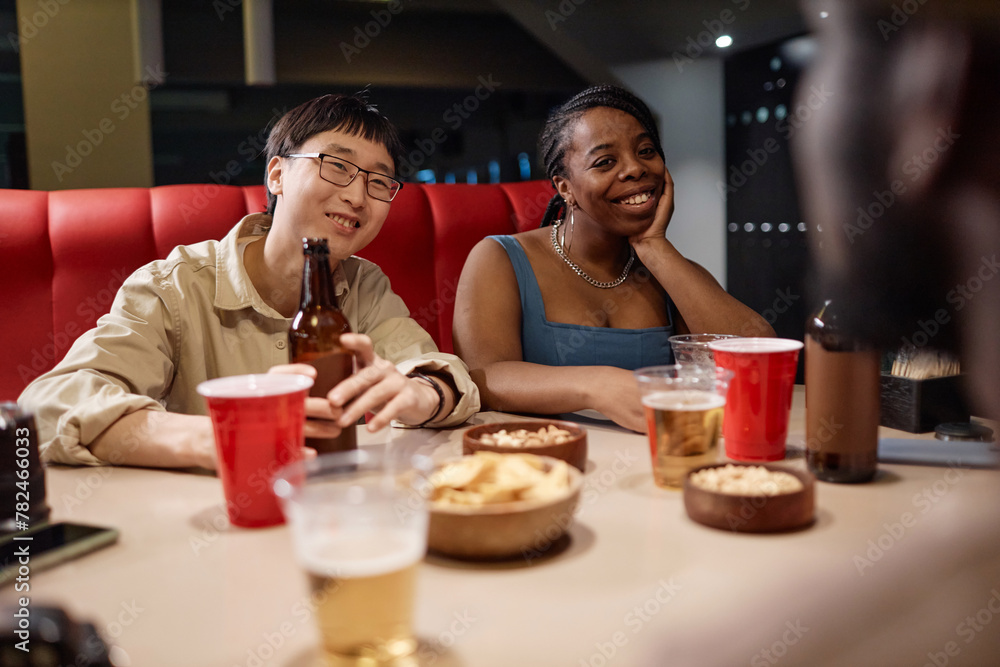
x=490, y=478
x=461, y=474
x=551, y=484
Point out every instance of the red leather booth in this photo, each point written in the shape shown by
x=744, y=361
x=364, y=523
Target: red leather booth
x=64, y=254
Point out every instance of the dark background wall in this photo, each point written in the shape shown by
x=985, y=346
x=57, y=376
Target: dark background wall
x=469, y=84
x=489, y=101
x=767, y=253
x=13, y=157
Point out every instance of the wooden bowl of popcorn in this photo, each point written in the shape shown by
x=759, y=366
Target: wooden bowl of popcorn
x=559, y=439
x=490, y=506
x=747, y=498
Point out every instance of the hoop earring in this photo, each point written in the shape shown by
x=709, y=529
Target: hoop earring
x=570, y=226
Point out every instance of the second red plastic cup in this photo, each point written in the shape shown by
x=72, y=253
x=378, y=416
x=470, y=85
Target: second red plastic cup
x=755, y=424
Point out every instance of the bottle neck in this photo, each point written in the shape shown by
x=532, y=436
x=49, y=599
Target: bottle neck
x=317, y=282
x=826, y=329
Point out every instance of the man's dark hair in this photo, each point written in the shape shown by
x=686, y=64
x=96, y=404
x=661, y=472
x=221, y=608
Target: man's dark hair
x=556, y=136
x=351, y=114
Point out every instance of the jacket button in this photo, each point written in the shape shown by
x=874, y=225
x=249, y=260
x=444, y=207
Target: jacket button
x=280, y=344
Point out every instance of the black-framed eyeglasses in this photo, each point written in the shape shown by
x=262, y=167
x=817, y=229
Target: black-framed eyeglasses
x=342, y=172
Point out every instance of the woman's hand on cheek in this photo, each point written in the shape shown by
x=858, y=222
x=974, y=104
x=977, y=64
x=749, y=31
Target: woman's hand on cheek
x=661, y=217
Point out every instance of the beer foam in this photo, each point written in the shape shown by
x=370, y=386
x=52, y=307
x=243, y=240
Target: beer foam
x=683, y=399
x=254, y=386
x=361, y=552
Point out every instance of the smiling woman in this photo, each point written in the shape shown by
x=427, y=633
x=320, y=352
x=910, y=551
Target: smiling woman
x=554, y=320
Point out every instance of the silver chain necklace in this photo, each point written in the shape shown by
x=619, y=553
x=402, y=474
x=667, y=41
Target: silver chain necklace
x=583, y=274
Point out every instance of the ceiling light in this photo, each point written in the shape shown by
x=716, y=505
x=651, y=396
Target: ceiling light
x=723, y=41
x=823, y=15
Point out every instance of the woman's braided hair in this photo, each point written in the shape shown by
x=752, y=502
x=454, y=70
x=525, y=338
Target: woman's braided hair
x=556, y=135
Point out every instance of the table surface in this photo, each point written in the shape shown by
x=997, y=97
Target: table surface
x=182, y=587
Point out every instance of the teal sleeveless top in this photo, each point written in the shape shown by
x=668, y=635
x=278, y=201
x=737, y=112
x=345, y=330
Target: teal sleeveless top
x=559, y=344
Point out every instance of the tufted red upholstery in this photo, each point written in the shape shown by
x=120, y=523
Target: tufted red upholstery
x=63, y=255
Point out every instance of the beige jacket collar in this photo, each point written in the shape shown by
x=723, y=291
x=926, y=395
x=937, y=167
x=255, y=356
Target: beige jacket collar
x=233, y=288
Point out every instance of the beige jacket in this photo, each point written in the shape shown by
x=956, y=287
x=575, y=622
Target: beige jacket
x=195, y=316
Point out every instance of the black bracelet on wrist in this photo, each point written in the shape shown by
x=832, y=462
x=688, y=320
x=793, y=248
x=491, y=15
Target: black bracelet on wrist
x=440, y=392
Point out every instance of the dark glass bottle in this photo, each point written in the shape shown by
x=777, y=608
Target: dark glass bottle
x=842, y=401
x=314, y=336
x=22, y=478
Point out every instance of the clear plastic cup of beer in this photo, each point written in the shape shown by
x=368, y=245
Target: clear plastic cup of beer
x=358, y=521
x=684, y=406
x=693, y=348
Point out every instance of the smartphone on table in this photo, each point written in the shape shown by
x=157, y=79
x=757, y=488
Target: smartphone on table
x=48, y=544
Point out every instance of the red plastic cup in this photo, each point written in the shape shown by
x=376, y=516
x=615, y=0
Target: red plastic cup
x=258, y=422
x=755, y=423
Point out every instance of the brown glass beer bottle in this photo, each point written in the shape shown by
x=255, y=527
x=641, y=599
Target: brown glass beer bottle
x=314, y=336
x=842, y=401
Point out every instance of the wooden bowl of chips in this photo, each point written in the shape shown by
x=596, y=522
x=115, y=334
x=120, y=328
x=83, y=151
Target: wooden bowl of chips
x=490, y=506
x=558, y=439
x=750, y=498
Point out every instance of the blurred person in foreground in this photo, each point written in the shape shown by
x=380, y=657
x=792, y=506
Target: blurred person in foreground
x=555, y=319
x=126, y=391
x=911, y=122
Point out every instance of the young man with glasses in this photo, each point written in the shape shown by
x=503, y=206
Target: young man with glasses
x=125, y=392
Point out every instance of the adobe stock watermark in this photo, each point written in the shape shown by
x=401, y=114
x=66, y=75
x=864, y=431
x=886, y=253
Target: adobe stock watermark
x=121, y=107
x=900, y=14
x=769, y=490
x=453, y=117
x=600, y=317
x=803, y=111
x=125, y=618
x=97, y=475
x=772, y=654
x=32, y=23
x=430, y=314
x=893, y=533
x=971, y=627
x=565, y=10
x=594, y=486
x=958, y=296
x=112, y=630
x=302, y=611
x=783, y=300
x=85, y=488
x=211, y=528
x=46, y=354
x=706, y=38
x=915, y=167
x=429, y=652
x=634, y=620
x=740, y=174
x=534, y=208
x=223, y=7
x=363, y=35
x=249, y=149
